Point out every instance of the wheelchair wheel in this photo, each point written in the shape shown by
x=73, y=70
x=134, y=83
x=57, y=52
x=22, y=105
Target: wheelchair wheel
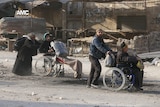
x=43, y=65
x=130, y=77
x=114, y=79
x=56, y=68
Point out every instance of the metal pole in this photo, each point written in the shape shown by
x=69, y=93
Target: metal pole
x=83, y=19
x=31, y=16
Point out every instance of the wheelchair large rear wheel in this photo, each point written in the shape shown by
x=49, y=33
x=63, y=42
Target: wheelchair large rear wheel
x=114, y=79
x=43, y=65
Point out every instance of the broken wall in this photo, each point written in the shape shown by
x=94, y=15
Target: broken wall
x=22, y=25
x=143, y=43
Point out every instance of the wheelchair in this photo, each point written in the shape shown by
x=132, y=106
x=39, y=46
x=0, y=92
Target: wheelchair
x=118, y=78
x=49, y=65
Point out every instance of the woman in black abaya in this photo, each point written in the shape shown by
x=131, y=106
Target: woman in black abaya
x=23, y=63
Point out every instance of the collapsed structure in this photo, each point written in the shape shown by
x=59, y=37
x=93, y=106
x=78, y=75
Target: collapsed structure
x=143, y=43
x=67, y=19
x=22, y=26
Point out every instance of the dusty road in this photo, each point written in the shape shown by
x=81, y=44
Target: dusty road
x=38, y=91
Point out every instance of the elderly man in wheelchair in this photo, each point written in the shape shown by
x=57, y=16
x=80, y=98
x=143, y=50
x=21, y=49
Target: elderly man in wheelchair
x=124, y=71
x=130, y=66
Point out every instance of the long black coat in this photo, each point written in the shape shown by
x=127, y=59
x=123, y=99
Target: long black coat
x=23, y=63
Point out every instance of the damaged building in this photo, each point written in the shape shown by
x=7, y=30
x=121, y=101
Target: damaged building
x=67, y=19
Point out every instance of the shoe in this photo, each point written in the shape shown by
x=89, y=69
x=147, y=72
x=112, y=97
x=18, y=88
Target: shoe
x=88, y=86
x=131, y=89
x=76, y=75
x=94, y=86
x=135, y=89
x=139, y=89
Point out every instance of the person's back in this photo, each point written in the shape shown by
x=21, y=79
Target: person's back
x=60, y=48
x=19, y=42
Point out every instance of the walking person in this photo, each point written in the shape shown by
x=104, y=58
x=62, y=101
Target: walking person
x=23, y=63
x=98, y=50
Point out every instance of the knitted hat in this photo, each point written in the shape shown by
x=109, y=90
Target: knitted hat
x=45, y=35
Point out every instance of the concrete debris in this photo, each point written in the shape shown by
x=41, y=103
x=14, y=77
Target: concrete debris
x=143, y=43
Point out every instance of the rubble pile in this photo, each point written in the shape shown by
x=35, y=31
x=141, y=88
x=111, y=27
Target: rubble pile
x=22, y=25
x=143, y=43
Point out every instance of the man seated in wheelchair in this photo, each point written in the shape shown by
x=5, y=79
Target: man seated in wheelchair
x=131, y=62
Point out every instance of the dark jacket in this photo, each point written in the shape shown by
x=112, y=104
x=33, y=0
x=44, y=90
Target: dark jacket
x=44, y=47
x=29, y=48
x=124, y=59
x=98, y=48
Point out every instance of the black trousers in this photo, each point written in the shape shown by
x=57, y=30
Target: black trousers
x=95, y=71
x=138, y=77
